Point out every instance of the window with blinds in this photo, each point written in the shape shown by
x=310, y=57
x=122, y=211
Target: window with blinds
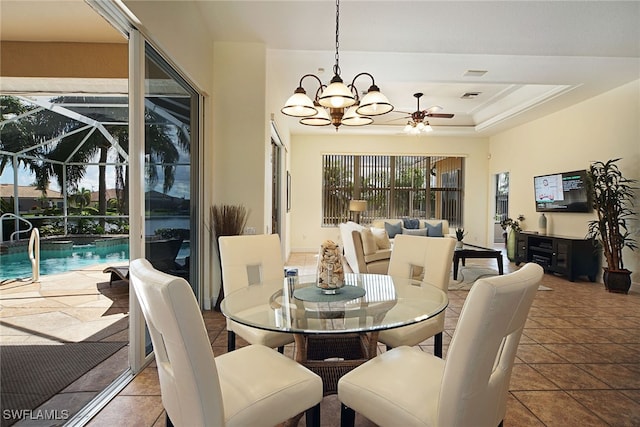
x=428, y=187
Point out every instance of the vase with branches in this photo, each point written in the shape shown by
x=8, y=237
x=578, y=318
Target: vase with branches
x=227, y=220
x=460, y=233
x=513, y=227
x=612, y=199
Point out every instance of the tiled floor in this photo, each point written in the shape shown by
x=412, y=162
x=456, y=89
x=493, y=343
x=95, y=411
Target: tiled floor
x=578, y=362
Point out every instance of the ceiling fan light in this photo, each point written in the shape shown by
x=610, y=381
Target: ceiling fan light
x=374, y=103
x=408, y=128
x=420, y=126
x=428, y=128
x=337, y=95
x=299, y=105
x=321, y=118
x=352, y=118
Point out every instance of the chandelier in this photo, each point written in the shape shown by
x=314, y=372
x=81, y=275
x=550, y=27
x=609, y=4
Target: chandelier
x=337, y=104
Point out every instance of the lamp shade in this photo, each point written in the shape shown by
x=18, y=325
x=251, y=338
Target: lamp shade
x=299, y=105
x=351, y=118
x=337, y=95
x=321, y=118
x=374, y=103
x=357, y=205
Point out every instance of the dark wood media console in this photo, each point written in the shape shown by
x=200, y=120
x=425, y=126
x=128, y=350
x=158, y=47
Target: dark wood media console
x=568, y=256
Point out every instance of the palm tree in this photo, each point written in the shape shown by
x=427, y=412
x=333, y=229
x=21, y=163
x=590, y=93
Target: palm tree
x=68, y=155
x=15, y=131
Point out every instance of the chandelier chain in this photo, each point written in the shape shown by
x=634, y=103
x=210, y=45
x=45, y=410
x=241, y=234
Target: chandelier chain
x=336, y=67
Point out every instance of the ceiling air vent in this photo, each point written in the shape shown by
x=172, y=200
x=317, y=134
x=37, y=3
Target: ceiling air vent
x=475, y=73
x=470, y=95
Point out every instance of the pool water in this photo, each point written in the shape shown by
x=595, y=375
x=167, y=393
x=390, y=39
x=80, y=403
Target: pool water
x=18, y=266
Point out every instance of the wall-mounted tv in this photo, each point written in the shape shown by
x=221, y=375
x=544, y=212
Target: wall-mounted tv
x=562, y=192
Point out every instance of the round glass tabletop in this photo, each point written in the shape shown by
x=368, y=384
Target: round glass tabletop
x=367, y=302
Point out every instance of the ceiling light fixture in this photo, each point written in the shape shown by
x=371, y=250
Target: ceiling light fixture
x=416, y=128
x=337, y=104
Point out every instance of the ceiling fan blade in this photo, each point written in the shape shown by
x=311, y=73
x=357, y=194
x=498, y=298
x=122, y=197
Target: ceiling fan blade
x=440, y=115
x=396, y=119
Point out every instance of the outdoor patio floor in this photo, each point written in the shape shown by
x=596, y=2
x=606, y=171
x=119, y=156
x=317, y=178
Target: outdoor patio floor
x=77, y=309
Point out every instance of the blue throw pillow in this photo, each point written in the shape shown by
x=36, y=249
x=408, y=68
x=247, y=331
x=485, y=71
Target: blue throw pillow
x=434, y=230
x=411, y=223
x=393, y=229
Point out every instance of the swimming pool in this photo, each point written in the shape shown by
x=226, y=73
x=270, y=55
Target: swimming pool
x=18, y=265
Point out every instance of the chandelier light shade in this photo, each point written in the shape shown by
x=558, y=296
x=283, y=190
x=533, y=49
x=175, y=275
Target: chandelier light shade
x=299, y=105
x=320, y=118
x=352, y=118
x=337, y=95
x=374, y=103
x=342, y=101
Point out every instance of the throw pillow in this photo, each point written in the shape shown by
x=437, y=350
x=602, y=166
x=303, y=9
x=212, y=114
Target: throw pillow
x=416, y=232
x=393, y=229
x=368, y=242
x=382, y=238
x=434, y=230
x=411, y=223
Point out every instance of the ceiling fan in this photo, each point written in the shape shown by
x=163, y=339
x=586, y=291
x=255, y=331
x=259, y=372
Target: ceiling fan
x=417, y=122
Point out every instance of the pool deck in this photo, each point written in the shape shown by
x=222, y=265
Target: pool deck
x=69, y=307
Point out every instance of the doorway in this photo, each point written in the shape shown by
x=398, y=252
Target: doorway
x=501, y=205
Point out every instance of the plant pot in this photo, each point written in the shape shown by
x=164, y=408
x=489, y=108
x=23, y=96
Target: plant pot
x=617, y=281
x=459, y=244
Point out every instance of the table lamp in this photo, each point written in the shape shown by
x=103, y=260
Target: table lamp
x=357, y=206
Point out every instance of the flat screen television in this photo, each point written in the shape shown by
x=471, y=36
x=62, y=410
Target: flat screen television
x=562, y=192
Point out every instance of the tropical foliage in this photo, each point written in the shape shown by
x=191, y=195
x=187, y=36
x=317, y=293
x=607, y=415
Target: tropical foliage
x=512, y=224
x=55, y=147
x=613, y=196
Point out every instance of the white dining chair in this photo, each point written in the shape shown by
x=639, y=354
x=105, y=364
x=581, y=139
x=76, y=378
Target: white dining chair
x=246, y=260
x=252, y=386
x=428, y=259
x=409, y=387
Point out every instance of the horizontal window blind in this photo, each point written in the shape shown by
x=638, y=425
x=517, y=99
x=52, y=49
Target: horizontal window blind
x=427, y=187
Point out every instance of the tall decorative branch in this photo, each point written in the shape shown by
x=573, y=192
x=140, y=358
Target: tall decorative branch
x=227, y=220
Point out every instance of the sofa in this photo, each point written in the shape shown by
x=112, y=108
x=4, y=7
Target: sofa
x=368, y=249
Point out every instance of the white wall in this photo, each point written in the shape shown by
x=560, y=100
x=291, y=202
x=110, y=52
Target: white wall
x=306, y=173
x=601, y=128
x=240, y=129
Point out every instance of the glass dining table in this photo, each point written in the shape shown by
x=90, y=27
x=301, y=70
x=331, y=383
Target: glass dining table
x=334, y=333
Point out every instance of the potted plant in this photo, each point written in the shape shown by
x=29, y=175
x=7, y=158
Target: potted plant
x=612, y=199
x=460, y=236
x=514, y=227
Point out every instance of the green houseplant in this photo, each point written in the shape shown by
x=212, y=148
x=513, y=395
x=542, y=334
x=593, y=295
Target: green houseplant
x=612, y=199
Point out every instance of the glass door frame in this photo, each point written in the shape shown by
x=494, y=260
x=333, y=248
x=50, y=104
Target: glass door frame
x=118, y=16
